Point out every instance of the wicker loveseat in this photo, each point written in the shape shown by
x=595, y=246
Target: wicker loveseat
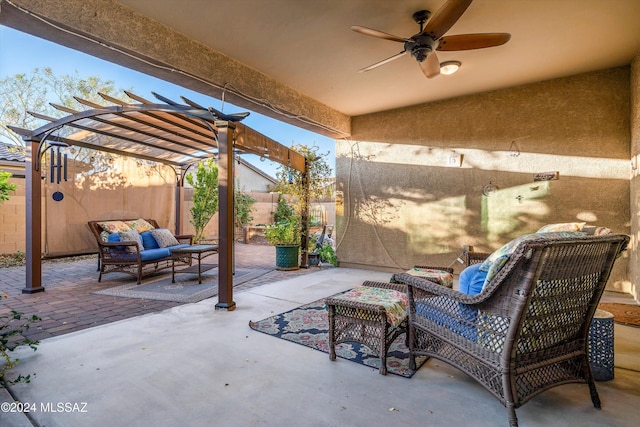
x=137, y=257
x=527, y=330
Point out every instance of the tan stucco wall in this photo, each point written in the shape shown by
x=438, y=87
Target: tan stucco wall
x=407, y=200
x=634, y=259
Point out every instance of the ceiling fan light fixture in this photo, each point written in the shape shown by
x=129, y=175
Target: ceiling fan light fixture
x=449, y=67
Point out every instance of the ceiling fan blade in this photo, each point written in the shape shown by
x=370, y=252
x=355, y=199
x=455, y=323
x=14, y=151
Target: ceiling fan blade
x=379, y=34
x=473, y=41
x=445, y=17
x=384, y=61
x=431, y=66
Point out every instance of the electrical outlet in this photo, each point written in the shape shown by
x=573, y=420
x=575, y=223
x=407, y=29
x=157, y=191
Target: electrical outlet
x=454, y=160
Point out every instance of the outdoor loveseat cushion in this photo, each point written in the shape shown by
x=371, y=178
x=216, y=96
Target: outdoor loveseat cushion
x=150, y=250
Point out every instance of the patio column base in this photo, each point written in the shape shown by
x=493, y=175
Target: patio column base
x=228, y=306
x=33, y=290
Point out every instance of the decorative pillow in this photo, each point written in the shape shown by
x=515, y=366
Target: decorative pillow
x=114, y=226
x=499, y=258
x=104, y=235
x=164, y=237
x=140, y=225
x=131, y=235
x=440, y=277
x=472, y=279
x=115, y=237
x=148, y=241
x=566, y=226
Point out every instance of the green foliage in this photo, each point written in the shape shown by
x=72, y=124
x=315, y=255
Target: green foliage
x=34, y=91
x=327, y=254
x=284, y=232
x=244, y=207
x=5, y=186
x=283, y=212
x=291, y=181
x=12, y=325
x=205, y=196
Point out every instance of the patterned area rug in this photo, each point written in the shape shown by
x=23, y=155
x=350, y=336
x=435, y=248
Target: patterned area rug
x=309, y=325
x=625, y=314
x=185, y=289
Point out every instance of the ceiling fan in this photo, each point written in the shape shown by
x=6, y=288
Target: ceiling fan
x=422, y=46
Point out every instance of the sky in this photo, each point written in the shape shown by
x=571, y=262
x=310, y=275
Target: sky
x=21, y=53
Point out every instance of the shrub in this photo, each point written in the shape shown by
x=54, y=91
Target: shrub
x=12, y=325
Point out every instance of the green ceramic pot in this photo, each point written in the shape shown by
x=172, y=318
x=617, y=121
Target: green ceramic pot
x=287, y=257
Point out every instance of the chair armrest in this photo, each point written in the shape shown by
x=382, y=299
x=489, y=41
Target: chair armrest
x=436, y=289
x=447, y=269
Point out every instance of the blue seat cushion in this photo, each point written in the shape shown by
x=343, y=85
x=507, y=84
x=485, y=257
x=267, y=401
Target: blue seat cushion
x=148, y=241
x=472, y=279
x=152, y=254
x=460, y=322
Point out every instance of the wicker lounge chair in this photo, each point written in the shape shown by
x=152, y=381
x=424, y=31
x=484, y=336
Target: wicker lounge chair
x=527, y=331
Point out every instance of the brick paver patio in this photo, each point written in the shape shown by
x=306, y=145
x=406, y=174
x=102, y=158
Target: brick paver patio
x=68, y=304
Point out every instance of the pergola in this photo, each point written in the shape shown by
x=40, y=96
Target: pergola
x=176, y=134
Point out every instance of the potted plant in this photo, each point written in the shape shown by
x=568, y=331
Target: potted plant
x=328, y=254
x=285, y=236
x=312, y=250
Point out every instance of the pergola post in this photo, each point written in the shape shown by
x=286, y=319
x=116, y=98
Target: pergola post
x=179, y=199
x=33, y=206
x=225, y=215
x=304, y=216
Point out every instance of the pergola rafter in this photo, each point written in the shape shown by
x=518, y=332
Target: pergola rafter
x=170, y=133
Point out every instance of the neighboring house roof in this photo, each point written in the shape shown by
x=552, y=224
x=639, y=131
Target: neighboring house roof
x=11, y=153
x=258, y=171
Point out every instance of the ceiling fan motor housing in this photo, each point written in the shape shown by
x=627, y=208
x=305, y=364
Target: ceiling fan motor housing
x=420, y=46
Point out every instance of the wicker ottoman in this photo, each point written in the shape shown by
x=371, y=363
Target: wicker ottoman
x=373, y=314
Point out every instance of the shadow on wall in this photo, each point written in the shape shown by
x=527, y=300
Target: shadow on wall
x=403, y=215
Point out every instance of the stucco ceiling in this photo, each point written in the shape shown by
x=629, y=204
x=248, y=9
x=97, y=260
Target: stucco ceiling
x=308, y=45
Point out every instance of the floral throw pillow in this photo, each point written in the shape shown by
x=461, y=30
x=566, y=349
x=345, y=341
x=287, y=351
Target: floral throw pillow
x=114, y=226
x=131, y=235
x=494, y=263
x=140, y=225
x=440, y=277
x=566, y=226
x=164, y=237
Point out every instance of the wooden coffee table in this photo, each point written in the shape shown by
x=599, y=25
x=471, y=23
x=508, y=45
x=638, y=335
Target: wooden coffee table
x=195, y=252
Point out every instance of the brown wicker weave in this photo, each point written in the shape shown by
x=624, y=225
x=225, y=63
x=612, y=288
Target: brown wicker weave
x=527, y=331
x=112, y=260
x=475, y=257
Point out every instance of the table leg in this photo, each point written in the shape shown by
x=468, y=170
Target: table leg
x=173, y=269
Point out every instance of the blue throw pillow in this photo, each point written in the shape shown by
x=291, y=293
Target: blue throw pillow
x=472, y=279
x=148, y=241
x=115, y=237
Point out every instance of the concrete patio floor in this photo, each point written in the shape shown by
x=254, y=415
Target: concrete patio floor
x=194, y=366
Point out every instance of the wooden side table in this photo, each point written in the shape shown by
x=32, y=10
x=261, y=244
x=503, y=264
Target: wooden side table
x=197, y=253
